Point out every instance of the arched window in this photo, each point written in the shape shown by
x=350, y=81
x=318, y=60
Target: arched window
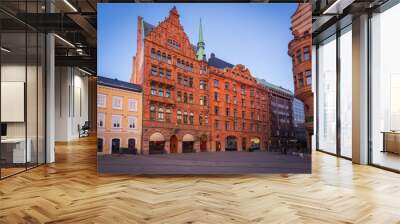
x=164, y=57
x=183, y=64
x=185, y=117
x=191, y=67
x=161, y=114
x=169, y=59
x=178, y=63
x=191, y=118
x=200, y=119
x=187, y=66
x=152, y=112
x=153, y=53
x=168, y=115
x=158, y=55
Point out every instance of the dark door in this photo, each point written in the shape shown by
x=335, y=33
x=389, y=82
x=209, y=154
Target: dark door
x=132, y=146
x=173, y=144
x=115, y=145
x=99, y=145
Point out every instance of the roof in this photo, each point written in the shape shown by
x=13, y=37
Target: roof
x=218, y=63
x=115, y=83
x=273, y=86
x=147, y=27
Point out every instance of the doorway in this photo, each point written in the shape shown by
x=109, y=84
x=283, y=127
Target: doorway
x=173, y=144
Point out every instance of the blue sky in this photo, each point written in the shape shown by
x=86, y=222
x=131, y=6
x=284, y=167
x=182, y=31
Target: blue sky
x=255, y=35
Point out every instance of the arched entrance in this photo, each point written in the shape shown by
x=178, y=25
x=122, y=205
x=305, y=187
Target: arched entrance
x=173, y=144
x=231, y=143
x=156, y=143
x=99, y=145
x=132, y=146
x=203, y=143
x=187, y=143
x=255, y=144
x=115, y=145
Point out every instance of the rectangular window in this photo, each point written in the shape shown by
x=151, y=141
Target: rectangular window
x=185, y=80
x=216, y=96
x=160, y=91
x=226, y=85
x=190, y=82
x=226, y=125
x=216, y=110
x=154, y=70
x=243, y=89
x=227, y=98
x=179, y=117
x=179, y=78
x=190, y=98
x=301, y=81
x=168, y=74
x=227, y=112
x=153, y=90
x=117, y=102
x=234, y=100
x=298, y=56
x=168, y=92
x=216, y=124
x=161, y=72
x=132, y=105
x=203, y=84
x=216, y=83
x=160, y=114
x=327, y=95
x=101, y=120
x=132, y=122
x=306, y=54
x=308, y=77
x=101, y=100
x=116, y=121
x=179, y=96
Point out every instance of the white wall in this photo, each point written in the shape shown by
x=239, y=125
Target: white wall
x=71, y=102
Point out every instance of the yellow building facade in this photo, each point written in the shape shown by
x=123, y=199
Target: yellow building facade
x=119, y=117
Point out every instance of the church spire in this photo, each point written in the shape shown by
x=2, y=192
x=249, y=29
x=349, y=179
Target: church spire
x=201, y=53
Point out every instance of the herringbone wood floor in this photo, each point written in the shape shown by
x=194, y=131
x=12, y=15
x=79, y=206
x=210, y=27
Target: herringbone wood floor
x=70, y=191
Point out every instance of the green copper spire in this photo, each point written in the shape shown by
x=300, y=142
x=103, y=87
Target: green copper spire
x=201, y=53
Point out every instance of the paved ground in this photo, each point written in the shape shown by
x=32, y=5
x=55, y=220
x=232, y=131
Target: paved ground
x=205, y=163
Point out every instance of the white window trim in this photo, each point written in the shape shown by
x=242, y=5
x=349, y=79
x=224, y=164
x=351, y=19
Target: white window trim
x=134, y=109
x=112, y=122
x=119, y=97
x=135, y=121
x=103, y=115
x=105, y=100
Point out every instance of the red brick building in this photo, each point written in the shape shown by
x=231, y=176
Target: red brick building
x=300, y=51
x=191, y=104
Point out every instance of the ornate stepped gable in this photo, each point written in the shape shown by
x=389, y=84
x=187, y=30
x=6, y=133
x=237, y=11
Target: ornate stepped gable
x=170, y=29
